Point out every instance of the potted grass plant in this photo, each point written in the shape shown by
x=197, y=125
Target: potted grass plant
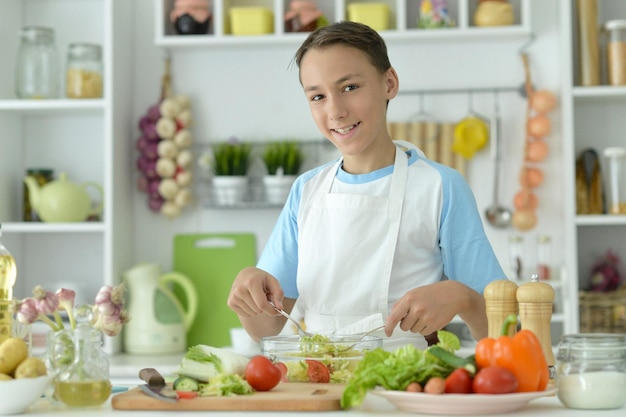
x=230, y=166
x=283, y=160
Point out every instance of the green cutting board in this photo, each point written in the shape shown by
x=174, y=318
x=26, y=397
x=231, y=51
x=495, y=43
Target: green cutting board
x=212, y=261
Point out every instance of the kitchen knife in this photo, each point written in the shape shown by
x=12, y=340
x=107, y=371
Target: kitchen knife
x=155, y=385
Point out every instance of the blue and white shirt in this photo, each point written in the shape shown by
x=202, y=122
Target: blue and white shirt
x=441, y=233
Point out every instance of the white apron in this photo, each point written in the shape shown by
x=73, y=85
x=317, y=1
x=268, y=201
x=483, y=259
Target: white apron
x=346, y=249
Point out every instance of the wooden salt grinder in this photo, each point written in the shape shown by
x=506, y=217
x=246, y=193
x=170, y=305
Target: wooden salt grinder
x=500, y=302
x=535, y=301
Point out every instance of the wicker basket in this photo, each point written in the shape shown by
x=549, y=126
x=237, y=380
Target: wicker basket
x=603, y=312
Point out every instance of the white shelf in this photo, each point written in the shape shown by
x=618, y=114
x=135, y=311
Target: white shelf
x=404, y=15
x=601, y=220
x=52, y=106
x=469, y=34
x=599, y=93
x=86, y=138
x=36, y=227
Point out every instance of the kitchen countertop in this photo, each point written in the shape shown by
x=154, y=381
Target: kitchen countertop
x=125, y=368
x=373, y=405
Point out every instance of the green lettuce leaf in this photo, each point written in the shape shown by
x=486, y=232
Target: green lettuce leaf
x=396, y=370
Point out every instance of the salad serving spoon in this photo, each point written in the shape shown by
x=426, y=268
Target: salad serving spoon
x=301, y=331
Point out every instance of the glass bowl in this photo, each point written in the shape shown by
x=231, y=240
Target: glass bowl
x=319, y=358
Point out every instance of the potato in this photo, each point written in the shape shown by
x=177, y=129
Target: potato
x=12, y=352
x=32, y=367
x=5, y=377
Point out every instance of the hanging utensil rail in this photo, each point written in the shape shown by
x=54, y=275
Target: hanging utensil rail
x=477, y=90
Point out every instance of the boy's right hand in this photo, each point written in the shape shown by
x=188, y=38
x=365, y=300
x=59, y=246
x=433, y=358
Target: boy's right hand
x=251, y=291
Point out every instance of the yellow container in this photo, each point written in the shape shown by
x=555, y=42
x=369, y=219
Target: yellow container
x=374, y=15
x=251, y=20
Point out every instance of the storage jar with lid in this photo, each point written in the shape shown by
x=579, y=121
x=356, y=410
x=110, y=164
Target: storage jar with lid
x=616, y=51
x=84, y=71
x=37, y=66
x=616, y=179
x=591, y=371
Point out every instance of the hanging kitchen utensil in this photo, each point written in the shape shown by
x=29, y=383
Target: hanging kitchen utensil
x=423, y=131
x=471, y=133
x=497, y=215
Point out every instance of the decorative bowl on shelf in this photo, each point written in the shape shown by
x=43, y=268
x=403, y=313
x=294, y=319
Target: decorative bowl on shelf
x=318, y=358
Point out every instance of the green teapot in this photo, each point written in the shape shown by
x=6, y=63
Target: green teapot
x=61, y=200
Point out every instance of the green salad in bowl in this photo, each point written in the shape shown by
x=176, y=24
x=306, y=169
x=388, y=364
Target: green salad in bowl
x=318, y=358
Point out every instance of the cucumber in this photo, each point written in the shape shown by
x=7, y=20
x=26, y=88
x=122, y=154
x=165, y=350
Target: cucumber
x=185, y=383
x=453, y=360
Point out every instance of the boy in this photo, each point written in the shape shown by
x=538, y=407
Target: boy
x=381, y=234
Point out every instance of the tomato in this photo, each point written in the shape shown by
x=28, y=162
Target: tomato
x=283, y=371
x=262, y=374
x=185, y=395
x=317, y=371
x=459, y=382
x=494, y=380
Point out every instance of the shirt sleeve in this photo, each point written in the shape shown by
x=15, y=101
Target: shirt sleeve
x=466, y=252
x=280, y=255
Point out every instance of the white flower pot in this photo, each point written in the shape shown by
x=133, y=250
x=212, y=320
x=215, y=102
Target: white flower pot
x=229, y=189
x=277, y=187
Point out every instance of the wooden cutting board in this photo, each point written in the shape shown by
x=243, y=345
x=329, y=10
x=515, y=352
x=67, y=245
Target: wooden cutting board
x=284, y=397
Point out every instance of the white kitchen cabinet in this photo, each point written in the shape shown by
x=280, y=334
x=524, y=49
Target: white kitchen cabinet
x=402, y=25
x=86, y=138
x=592, y=118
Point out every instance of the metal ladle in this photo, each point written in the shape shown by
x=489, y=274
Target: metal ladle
x=497, y=215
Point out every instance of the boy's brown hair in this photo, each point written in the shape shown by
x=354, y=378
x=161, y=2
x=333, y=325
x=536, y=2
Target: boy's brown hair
x=353, y=34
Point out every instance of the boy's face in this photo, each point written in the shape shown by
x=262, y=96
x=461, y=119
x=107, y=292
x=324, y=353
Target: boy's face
x=347, y=96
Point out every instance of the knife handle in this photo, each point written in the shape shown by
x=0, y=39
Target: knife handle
x=152, y=377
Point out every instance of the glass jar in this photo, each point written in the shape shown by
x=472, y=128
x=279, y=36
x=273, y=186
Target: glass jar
x=85, y=383
x=84, y=71
x=616, y=51
x=37, y=66
x=42, y=176
x=616, y=181
x=544, y=255
x=591, y=371
x=516, y=253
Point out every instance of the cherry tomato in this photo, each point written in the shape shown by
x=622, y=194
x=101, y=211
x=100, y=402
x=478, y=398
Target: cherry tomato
x=262, y=374
x=283, y=371
x=459, y=382
x=185, y=395
x=317, y=371
x=494, y=380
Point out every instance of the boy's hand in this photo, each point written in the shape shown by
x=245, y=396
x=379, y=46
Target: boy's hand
x=251, y=291
x=429, y=308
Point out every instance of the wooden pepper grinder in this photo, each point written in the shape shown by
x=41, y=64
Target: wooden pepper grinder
x=500, y=302
x=535, y=301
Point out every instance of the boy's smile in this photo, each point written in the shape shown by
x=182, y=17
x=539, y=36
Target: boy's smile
x=348, y=100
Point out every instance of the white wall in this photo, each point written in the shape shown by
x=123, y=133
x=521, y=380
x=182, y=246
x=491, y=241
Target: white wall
x=249, y=92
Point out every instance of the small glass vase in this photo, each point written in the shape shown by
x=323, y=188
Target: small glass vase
x=81, y=367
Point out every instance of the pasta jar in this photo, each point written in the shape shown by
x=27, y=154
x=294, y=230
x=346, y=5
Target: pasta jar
x=84, y=71
x=591, y=371
x=616, y=51
x=37, y=65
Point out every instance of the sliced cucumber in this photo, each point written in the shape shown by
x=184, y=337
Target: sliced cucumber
x=185, y=383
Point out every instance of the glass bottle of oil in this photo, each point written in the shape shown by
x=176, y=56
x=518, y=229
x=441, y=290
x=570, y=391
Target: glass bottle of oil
x=8, y=274
x=85, y=383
